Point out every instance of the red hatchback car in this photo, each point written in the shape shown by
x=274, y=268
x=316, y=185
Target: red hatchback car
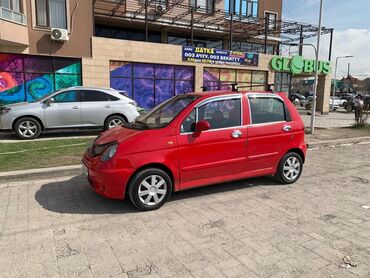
x=195, y=140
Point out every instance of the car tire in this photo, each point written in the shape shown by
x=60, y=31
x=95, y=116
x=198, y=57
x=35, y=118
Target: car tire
x=290, y=168
x=150, y=189
x=114, y=121
x=27, y=128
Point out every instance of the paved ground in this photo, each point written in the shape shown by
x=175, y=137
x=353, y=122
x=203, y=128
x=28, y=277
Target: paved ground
x=340, y=118
x=252, y=228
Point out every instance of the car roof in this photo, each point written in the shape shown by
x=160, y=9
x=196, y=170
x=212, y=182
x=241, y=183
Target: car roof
x=222, y=93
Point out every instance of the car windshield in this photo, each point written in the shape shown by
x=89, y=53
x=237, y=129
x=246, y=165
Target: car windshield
x=163, y=114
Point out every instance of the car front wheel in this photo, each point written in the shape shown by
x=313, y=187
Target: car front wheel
x=150, y=189
x=290, y=168
x=27, y=128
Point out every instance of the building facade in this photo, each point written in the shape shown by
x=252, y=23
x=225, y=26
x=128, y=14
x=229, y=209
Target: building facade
x=152, y=50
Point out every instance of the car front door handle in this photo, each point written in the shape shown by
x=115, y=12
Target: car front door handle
x=236, y=134
x=107, y=106
x=287, y=128
x=75, y=107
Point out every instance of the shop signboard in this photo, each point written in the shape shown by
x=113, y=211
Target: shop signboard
x=219, y=57
x=299, y=65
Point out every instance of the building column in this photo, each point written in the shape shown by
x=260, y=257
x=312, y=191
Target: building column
x=164, y=36
x=198, y=78
x=323, y=94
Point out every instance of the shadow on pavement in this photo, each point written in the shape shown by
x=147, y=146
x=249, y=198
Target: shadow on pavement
x=77, y=197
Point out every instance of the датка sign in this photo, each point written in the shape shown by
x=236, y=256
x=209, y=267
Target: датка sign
x=298, y=65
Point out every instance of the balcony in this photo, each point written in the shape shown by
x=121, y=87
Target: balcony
x=13, y=28
x=12, y=16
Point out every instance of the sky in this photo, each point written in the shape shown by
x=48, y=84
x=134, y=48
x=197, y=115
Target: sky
x=351, y=23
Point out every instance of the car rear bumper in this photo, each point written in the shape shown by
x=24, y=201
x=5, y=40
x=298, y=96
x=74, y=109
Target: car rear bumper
x=107, y=182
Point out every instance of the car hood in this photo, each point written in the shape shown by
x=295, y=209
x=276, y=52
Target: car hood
x=22, y=105
x=117, y=134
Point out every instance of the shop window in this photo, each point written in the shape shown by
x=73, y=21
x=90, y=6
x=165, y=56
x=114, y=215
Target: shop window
x=151, y=84
x=51, y=13
x=282, y=82
x=215, y=79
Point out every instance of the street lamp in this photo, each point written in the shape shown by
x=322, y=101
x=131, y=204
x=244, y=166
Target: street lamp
x=335, y=76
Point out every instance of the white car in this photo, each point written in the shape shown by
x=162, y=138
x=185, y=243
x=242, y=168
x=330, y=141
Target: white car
x=75, y=107
x=306, y=103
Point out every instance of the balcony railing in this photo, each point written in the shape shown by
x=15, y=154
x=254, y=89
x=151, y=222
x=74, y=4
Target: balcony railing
x=13, y=16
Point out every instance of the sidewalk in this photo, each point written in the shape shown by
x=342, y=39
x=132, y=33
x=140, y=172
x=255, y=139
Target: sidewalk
x=336, y=119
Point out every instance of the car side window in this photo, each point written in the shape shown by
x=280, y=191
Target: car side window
x=221, y=113
x=68, y=96
x=268, y=110
x=188, y=125
x=90, y=95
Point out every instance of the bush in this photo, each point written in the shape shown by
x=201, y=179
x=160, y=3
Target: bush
x=361, y=116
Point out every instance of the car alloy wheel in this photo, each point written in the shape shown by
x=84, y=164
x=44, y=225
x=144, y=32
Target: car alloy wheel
x=27, y=128
x=152, y=190
x=292, y=168
x=115, y=122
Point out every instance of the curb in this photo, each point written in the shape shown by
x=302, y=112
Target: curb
x=37, y=174
x=338, y=142
x=75, y=170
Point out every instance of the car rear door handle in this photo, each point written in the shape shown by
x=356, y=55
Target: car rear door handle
x=107, y=106
x=287, y=128
x=236, y=134
x=75, y=107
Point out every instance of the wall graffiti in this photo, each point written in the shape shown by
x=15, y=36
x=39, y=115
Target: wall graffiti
x=29, y=77
x=151, y=84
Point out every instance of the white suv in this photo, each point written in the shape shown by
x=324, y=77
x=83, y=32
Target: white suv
x=75, y=107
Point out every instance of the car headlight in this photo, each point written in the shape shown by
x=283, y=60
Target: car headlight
x=109, y=152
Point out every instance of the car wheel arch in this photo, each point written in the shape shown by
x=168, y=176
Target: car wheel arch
x=115, y=114
x=28, y=116
x=297, y=151
x=153, y=165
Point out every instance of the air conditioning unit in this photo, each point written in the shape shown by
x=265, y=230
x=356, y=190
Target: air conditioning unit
x=58, y=34
x=160, y=8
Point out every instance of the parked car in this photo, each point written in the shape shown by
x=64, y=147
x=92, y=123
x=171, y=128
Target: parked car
x=72, y=108
x=306, y=103
x=197, y=139
x=308, y=94
x=295, y=98
x=336, y=101
x=349, y=104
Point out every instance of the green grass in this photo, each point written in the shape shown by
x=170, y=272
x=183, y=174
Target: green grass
x=42, y=154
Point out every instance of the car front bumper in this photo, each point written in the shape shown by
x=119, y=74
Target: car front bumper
x=107, y=182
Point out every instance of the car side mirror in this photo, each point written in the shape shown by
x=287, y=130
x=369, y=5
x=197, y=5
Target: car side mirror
x=200, y=127
x=49, y=101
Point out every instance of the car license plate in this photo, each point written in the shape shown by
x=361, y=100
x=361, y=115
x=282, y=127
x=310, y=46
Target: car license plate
x=85, y=170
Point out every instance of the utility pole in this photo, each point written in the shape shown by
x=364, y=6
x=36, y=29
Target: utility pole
x=349, y=69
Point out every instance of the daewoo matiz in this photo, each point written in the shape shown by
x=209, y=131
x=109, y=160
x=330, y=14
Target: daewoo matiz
x=195, y=140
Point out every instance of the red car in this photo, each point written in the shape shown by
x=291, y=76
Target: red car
x=195, y=140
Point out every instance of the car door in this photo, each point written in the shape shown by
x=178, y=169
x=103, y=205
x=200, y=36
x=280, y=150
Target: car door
x=96, y=106
x=218, y=152
x=269, y=131
x=63, y=110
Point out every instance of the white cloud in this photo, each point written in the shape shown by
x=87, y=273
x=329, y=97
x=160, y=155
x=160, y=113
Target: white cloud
x=354, y=42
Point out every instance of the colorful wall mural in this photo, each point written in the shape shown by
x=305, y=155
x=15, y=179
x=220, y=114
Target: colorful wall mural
x=151, y=84
x=216, y=79
x=29, y=77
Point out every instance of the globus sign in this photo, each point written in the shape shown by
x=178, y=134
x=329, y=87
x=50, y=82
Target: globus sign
x=297, y=65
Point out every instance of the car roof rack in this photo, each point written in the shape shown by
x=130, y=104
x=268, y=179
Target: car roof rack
x=235, y=87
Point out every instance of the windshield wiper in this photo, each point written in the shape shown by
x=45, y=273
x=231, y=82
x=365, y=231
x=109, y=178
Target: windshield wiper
x=140, y=122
